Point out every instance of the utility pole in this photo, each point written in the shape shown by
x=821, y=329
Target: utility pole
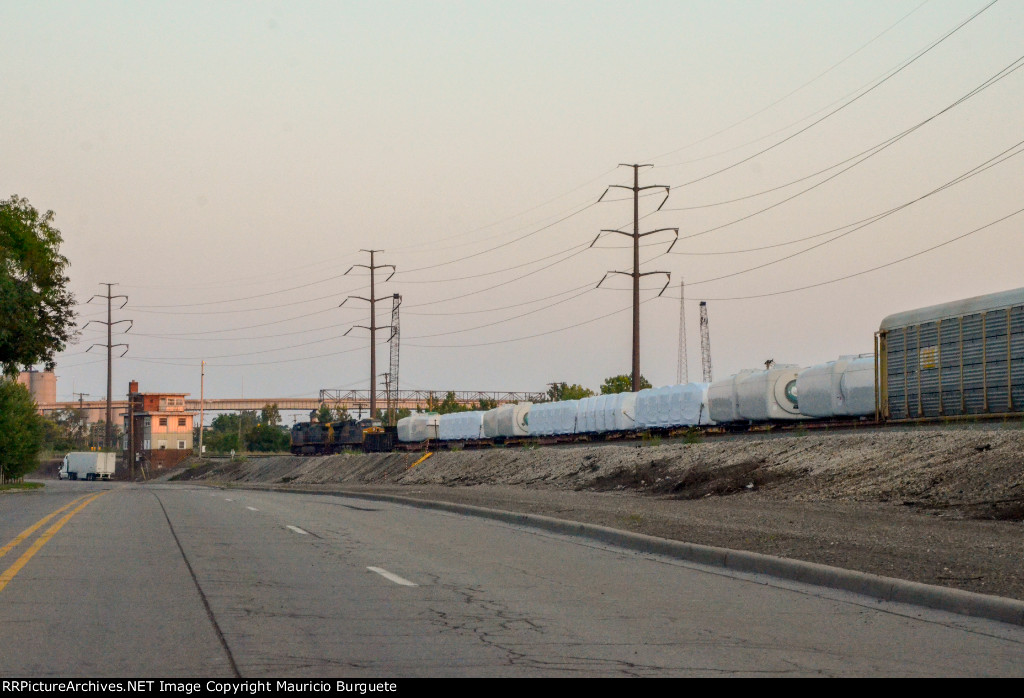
x=84, y=418
x=202, y=405
x=705, y=342
x=372, y=300
x=636, y=273
x=682, y=369
x=110, y=324
x=131, y=433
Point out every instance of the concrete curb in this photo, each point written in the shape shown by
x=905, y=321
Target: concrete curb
x=957, y=601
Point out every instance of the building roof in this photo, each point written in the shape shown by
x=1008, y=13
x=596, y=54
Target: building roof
x=967, y=306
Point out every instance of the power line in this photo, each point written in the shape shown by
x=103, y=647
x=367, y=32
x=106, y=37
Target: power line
x=873, y=269
x=998, y=76
x=247, y=298
x=869, y=90
x=532, y=336
x=789, y=94
x=985, y=166
x=504, y=244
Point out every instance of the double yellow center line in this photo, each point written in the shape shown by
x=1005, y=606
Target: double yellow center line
x=42, y=540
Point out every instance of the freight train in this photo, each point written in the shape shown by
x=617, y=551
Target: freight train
x=963, y=359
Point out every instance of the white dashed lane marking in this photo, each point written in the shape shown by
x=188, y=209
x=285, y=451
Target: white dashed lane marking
x=392, y=577
x=252, y=508
x=298, y=530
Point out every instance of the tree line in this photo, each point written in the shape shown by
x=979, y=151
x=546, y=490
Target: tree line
x=37, y=322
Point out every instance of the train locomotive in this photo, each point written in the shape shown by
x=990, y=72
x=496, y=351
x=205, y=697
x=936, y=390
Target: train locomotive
x=314, y=438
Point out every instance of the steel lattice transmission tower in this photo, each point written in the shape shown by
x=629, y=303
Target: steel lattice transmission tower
x=705, y=342
x=396, y=301
x=682, y=369
x=636, y=273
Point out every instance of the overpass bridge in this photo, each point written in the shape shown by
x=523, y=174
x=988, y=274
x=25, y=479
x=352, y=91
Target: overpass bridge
x=352, y=400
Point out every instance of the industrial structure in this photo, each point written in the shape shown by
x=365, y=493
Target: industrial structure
x=158, y=429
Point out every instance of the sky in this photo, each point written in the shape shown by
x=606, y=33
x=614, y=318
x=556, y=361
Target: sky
x=224, y=163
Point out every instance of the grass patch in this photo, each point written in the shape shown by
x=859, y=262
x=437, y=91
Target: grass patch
x=649, y=440
x=693, y=436
x=14, y=486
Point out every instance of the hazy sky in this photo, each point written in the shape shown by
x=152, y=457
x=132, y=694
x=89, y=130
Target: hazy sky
x=224, y=163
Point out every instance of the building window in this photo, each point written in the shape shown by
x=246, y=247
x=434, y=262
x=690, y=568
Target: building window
x=163, y=421
x=147, y=421
x=181, y=421
x=181, y=445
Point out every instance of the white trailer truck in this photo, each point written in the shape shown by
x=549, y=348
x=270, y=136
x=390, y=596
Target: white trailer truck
x=87, y=465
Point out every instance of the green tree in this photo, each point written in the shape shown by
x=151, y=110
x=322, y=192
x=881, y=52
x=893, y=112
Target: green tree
x=66, y=430
x=563, y=391
x=622, y=384
x=73, y=426
x=483, y=404
x=341, y=414
x=38, y=317
x=325, y=414
x=400, y=413
x=230, y=432
x=270, y=415
x=267, y=438
x=98, y=434
x=449, y=405
x=21, y=431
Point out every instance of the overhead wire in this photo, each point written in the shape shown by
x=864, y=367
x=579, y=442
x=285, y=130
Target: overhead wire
x=173, y=362
x=864, y=271
x=532, y=336
x=978, y=169
x=846, y=104
x=501, y=246
x=998, y=76
x=792, y=92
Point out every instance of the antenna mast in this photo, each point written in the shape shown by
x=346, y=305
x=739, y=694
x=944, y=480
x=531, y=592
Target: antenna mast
x=705, y=342
x=396, y=301
x=682, y=369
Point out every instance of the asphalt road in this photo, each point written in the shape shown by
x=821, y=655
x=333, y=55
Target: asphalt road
x=172, y=580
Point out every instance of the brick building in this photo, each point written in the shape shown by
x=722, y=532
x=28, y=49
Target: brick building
x=158, y=430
